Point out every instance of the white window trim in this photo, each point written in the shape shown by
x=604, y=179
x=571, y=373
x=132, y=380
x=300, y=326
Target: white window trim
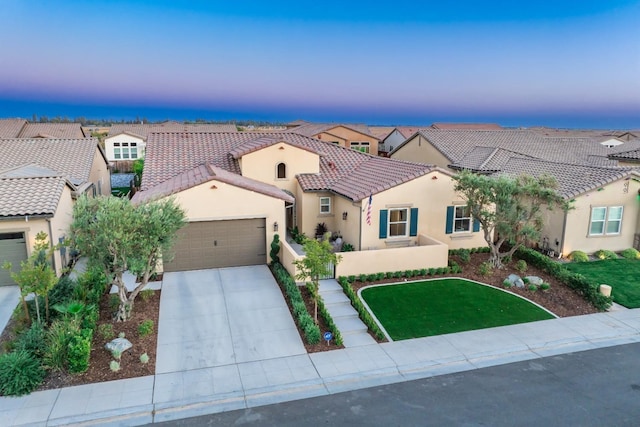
x=455, y=218
x=327, y=204
x=357, y=145
x=605, y=222
x=406, y=222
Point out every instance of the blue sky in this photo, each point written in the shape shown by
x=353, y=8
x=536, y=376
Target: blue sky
x=555, y=63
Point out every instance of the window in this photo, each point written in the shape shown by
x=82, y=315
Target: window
x=605, y=220
x=281, y=171
x=398, y=221
x=125, y=150
x=325, y=205
x=462, y=219
x=360, y=146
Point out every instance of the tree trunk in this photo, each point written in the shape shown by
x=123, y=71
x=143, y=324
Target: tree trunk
x=494, y=258
x=25, y=307
x=37, y=307
x=46, y=308
x=124, y=308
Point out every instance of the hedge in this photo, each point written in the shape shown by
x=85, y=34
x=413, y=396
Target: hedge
x=575, y=281
x=365, y=316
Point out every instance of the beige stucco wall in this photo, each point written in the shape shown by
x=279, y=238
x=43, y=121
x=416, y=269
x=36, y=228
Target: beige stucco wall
x=620, y=193
x=262, y=165
x=431, y=194
x=418, y=149
x=345, y=136
x=287, y=258
x=123, y=137
x=60, y=224
x=100, y=175
x=216, y=200
x=309, y=212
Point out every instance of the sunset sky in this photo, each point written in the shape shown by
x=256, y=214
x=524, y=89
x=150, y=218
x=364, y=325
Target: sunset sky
x=555, y=63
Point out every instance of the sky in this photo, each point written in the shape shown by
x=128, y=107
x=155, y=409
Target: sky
x=553, y=63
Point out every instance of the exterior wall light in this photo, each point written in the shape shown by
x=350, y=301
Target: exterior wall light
x=344, y=215
x=275, y=226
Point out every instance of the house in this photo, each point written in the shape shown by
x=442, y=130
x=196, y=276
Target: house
x=627, y=158
x=52, y=130
x=11, y=128
x=588, y=173
x=466, y=126
x=391, y=137
x=39, y=180
x=355, y=136
x=126, y=142
x=240, y=189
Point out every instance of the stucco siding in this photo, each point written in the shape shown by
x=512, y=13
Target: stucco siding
x=419, y=149
x=99, y=175
x=123, y=137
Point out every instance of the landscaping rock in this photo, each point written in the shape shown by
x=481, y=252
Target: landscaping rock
x=119, y=345
x=534, y=280
x=516, y=281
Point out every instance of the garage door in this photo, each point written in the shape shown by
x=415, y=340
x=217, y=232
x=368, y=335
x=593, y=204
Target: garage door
x=215, y=244
x=13, y=248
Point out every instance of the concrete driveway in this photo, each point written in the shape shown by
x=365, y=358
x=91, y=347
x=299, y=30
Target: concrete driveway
x=218, y=317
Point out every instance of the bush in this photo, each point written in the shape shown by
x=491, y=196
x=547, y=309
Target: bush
x=58, y=338
x=578, y=256
x=275, y=249
x=506, y=260
x=408, y=274
x=114, y=365
x=605, y=254
x=532, y=288
x=106, y=331
x=389, y=275
x=90, y=317
x=20, y=373
x=455, y=267
x=326, y=316
x=33, y=340
x=146, y=294
x=545, y=286
x=144, y=358
x=464, y=255
x=397, y=274
x=362, y=278
x=630, y=253
x=506, y=283
x=62, y=291
x=431, y=272
x=485, y=269
x=351, y=279
x=145, y=328
x=347, y=247
x=371, y=277
x=79, y=351
x=423, y=272
x=521, y=265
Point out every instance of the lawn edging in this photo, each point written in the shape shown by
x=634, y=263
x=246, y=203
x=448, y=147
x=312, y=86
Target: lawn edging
x=578, y=282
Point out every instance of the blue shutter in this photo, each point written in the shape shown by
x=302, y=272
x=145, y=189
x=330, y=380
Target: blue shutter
x=413, y=222
x=384, y=215
x=449, y=227
x=476, y=225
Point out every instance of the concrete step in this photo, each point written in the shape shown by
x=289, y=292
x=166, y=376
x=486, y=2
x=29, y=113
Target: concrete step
x=341, y=309
x=348, y=325
x=357, y=339
x=334, y=298
x=330, y=285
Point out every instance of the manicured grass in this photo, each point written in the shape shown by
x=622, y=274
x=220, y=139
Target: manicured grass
x=623, y=275
x=435, y=307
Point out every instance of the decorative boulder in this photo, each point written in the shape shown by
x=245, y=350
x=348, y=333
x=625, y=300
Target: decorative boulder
x=534, y=280
x=118, y=345
x=515, y=280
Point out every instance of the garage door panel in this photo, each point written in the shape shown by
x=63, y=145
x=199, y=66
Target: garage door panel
x=215, y=244
x=13, y=248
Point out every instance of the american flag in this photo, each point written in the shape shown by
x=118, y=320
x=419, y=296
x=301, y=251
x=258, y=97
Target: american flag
x=369, y=209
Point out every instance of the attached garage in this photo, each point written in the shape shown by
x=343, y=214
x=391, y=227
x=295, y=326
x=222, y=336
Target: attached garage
x=216, y=244
x=13, y=248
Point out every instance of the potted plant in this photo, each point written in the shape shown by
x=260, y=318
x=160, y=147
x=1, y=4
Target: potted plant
x=321, y=229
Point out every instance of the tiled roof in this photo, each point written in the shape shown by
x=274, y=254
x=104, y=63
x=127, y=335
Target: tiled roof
x=381, y=132
x=312, y=129
x=52, y=130
x=143, y=130
x=408, y=131
x=573, y=180
x=344, y=171
x=10, y=128
x=205, y=173
x=30, y=196
x=71, y=158
x=466, y=126
x=626, y=155
x=486, y=159
x=258, y=144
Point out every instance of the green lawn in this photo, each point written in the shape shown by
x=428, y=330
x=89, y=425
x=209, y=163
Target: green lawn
x=623, y=275
x=436, y=307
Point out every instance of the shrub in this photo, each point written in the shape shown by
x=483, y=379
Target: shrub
x=106, y=331
x=380, y=276
x=431, y=272
x=351, y=279
x=506, y=260
x=389, y=275
x=144, y=358
x=371, y=277
x=114, y=365
x=408, y=273
x=521, y=266
x=90, y=317
x=79, y=351
x=545, y=286
x=33, y=340
x=506, y=283
x=114, y=302
x=455, y=267
x=365, y=316
x=397, y=274
x=347, y=247
x=605, y=254
x=464, y=255
x=275, y=249
x=362, y=278
x=578, y=256
x=145, y=328
x=146, y=294
x=312, y=332
x=326, y=316
x=20, y=373
x=532, y=288
x=485, y=269
x=58, y=337
x=630, y=253
x=423, y=271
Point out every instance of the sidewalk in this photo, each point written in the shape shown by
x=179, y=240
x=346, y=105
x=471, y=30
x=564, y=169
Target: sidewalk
x=245, y=385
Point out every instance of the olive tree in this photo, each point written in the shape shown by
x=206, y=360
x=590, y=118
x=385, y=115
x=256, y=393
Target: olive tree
x=509, y=209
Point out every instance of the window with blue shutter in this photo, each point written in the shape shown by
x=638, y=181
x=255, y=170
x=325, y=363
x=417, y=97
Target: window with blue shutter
x=384, y=215
x=476, y=225
x=413, y=222
x=449, y=226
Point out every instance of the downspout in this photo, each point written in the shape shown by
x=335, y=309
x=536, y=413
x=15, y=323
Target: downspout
x=564, y=229
x=360, y=228
x=53, y=258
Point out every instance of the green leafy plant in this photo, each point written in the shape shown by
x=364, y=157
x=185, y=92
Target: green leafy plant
x=347, y=247
x=106, y=331
x=321, y=229
x=275, y=249
x=455, y=267
x=20, y=373
x=521, y=266
x=145, y=328
x=545, y=286
x=506, y=283
x=485, y=269
x=605, y=254
x=364, y=314
x=59, y=335
x=121, y=335
x=362, y=278
x=79, y=351
x=532, y=287
x=147, y=294
x=464, y=255
x=630, y=253
x=578, y=256
x=114, y=365
x=33, y=340
x=144, y=358
x=117, y=354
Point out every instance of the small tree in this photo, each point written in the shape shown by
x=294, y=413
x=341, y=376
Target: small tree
x=509, y=207
x=315, y=264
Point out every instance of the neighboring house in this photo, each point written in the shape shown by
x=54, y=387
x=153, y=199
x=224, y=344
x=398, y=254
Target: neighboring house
x=239, y=189
x=585, y=170
x=11, y=128
x=466, y=126
x=39, y=180
x=391, y=137
x=52, y=130
x=354, y=136
x=126, y=142
x=627, y=158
